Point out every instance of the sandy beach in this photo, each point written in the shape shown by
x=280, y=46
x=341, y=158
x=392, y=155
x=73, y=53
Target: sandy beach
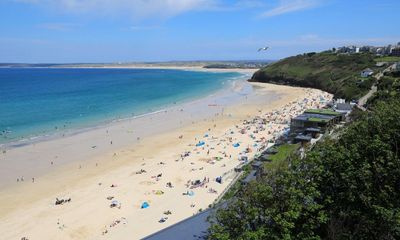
x=133, y=177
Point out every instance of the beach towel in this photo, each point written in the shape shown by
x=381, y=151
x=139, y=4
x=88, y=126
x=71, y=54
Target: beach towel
x=201, y=143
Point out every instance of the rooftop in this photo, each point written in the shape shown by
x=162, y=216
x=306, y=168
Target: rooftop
x=252, y=176
x=323, y=112
x=303, y=138
x=367, y=70
x=344, y=106
x=313, y=130
x=315, y=117
x=257, y=164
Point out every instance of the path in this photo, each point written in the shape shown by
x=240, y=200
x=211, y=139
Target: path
x=363, y=100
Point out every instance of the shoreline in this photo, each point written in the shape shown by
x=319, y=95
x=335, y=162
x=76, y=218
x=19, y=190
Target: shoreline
x=237, y=90
x=88, y=179
x=32, y=139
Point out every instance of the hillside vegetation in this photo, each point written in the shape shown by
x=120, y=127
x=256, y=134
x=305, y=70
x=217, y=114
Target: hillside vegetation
x=335, y=73
x=346, y=188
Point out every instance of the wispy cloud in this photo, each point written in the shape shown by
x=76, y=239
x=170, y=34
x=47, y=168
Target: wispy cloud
x=142, y=9
x=133, y=8
x=288, y=6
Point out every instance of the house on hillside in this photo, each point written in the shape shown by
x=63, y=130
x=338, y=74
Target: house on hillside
x=343, y=108
x=395, y=52
x=367, y=72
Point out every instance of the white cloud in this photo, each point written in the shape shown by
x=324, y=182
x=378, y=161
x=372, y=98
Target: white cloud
x=134, y=8
x=288, y=6
x=139, y=9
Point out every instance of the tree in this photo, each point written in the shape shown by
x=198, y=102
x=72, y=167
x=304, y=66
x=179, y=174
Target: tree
x=346, y=188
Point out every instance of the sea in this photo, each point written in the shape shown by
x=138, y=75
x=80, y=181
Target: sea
x=37, y=102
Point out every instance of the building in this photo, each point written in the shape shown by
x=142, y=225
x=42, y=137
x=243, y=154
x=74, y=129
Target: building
x=303, y=139
x=395, y=52
x=313, y=132
x=366, y=72
x=315, y=118
x=343, y=107
x=305, y=120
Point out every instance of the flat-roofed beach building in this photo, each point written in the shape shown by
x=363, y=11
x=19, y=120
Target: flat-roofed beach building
x=315, y=118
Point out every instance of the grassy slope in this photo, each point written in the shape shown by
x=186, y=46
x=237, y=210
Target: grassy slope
x=387, y=59
x=278, y=159
x=337, y=74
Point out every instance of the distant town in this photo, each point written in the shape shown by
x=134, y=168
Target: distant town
x=389, y=50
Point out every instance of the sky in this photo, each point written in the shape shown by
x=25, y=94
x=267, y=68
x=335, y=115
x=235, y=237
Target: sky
x=95, y=31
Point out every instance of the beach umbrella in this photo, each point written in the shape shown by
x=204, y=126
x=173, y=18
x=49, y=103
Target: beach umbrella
x=236, y=145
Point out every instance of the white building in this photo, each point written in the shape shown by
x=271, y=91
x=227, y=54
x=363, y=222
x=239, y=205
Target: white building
x=366, y=72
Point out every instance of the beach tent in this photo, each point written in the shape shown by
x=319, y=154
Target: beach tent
x=190, y=193
x=145, y=205
x=201, y=143
x=115, y=203
x=219, y=179
x=236, y=145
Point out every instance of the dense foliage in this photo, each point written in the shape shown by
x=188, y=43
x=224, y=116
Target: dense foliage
x=345, y=188
x=335, y=73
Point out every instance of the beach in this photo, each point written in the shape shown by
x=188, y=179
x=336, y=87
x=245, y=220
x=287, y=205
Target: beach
x=133, y=177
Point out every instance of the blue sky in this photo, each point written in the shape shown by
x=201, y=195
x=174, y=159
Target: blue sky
x=63, y=31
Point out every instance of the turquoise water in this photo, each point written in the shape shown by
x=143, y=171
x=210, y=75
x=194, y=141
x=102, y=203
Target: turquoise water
x=37, y=101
